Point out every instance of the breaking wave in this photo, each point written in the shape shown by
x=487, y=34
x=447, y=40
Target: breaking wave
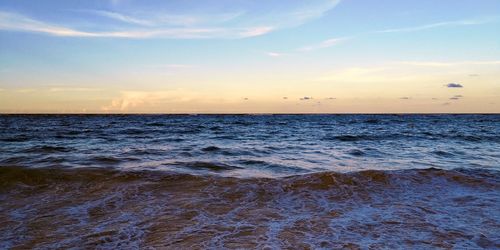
x=96, y=207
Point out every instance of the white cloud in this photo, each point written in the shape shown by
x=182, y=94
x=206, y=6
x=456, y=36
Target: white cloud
x=172, y=66
x=163, y=19
x=25, y=90
x=142, y=23
x=275, y=54
x=168, y=69
x=11, y=21
x=15, y=22
x=447, y=64
x=121, y=17
x=309, y=11
x=438, y=25
x=140, y=99
x=362, y=74
x=325, y=44
x=407, y=71
x=73, y=89
x=255, y=31
x=336, y=41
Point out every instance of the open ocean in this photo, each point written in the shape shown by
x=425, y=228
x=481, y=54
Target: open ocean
x=250, y=181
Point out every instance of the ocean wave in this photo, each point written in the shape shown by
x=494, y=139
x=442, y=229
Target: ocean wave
x=250, y=181
x=105, y=208
x=412, y=135
x=197, y=165
x=18, y=138
x=356, y=152
x=321, y=180
x=332, y=142
x=47, y=149
x=211, y=149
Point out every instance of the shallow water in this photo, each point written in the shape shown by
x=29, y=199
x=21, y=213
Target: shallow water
x=250, y=181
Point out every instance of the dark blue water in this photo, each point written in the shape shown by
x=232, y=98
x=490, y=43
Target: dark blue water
x=250, y=181
x=252, y=145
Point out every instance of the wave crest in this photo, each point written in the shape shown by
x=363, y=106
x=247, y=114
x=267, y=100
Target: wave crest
x=109, y=208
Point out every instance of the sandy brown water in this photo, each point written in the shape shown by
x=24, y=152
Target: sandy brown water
x=96, y=208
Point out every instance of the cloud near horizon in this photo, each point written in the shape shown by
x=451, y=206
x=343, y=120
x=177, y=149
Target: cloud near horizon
x=454, y=85
x=405, y=71
x=456, y=97
x=138, y=99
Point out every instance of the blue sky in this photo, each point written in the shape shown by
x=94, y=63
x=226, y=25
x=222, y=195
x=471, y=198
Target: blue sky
x=246, y=56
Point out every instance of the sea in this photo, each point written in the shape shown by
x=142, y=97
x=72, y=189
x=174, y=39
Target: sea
x=395, y=181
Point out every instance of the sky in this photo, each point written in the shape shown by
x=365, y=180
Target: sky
x=249, y=56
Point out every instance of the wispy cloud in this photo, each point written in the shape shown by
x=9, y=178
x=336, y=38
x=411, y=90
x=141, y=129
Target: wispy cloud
x=139, y=99
x=172, y=66
x=73, y=89
x=16, y=22
x=25, y=90
x=53, y=89
x=115, y=2
x=163, y=19
x=169, y=69
x=447, y=64
x=438, y=25
x=395, y=72
x=225, y=22
x=313, y=11
x=321, y=45
x=255, y=31
x=324, y=44
x=121, y=17
x=359, y=74
x=276, y=54
x=336, y=41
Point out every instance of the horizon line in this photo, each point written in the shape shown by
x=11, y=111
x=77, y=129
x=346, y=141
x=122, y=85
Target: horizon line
x=270, y=113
